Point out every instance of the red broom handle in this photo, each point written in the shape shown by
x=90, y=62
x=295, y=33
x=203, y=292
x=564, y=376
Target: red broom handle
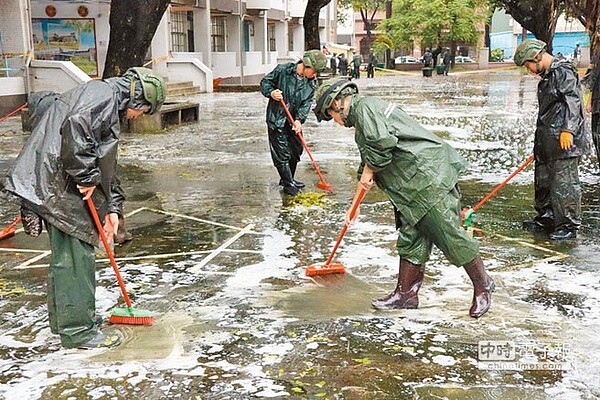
x=361, y=195
x=12, y=224
x=109, y=252
x=13, y=113
x=312, y=160
x=501, y=185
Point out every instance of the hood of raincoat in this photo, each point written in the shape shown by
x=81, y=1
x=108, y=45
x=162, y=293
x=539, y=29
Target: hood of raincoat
x=74, y=143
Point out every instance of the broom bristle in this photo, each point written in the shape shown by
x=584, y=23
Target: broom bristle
x=117, y=319
x=131, y=316
x=334, y=268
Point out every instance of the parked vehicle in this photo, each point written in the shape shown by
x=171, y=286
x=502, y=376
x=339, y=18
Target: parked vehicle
x=406, y=60
x=463, y=59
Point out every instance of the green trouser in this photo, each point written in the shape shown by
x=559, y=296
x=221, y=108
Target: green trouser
x=440, y=226
x=71, y=288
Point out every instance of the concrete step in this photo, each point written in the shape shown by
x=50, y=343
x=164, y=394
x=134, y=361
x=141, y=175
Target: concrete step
x=184, y=91
x=179, y=85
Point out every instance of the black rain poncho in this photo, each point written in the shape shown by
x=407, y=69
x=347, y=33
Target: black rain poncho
x=560, y=110
x=74, y=143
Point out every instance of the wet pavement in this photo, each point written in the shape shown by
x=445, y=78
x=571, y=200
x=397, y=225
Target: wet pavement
x=219, y=254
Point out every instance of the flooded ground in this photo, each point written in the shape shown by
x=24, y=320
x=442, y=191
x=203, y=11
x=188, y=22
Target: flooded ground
x=219, y=254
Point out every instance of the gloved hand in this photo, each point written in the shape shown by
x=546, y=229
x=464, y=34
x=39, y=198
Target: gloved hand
x=566, y=140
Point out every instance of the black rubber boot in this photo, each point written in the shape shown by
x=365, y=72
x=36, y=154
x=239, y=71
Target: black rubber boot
x=123, y=235
x=287, y=179
x=410, y=278
x=483, y=286
x=298, y=184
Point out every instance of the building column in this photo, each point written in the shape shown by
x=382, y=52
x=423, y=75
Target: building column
x=203, y=32
x=260, y=35
x=161, y=44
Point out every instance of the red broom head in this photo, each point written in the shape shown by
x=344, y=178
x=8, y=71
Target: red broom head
x=333, y=268
x=122, y=320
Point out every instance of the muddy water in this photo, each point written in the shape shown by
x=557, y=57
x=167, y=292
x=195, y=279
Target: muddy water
x=249, y=324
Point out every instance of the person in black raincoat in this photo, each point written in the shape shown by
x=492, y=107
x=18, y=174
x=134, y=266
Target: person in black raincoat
x=560, y=141
x=70, y=156
x=343, y=65
x=356, y=61
x=419, y=173
x=447, y=60
x=295, y=83
x=371, y=64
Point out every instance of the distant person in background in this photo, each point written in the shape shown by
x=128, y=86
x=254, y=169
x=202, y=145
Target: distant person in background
x=427, y=58
x=436, y=53
x=343, y=65
x=577, y=54
x=356, y=61
x=371, y=63
x=333, y=64
x=447, y=58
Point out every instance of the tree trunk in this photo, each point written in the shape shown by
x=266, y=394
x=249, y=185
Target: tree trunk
x=132, y=26
x=538, y=17
x=311, y=23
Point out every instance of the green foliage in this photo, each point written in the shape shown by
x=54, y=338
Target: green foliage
x=433, y=22
x=497, y=55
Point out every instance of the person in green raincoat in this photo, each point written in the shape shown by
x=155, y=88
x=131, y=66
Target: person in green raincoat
x=419, y=173
x=295, y=83
x=71, y=155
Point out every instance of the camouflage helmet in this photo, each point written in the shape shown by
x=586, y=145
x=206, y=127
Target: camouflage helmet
x=528, y=50
x=314, y=59
x=153, y=86
x=329, y=91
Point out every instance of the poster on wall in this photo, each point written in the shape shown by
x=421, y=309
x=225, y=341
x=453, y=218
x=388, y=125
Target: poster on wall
x=67, y=39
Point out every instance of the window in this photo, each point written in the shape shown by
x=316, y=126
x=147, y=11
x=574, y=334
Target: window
x=178, y=31
x=217, y=36
x=271, y=37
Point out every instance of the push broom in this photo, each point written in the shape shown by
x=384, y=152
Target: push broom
x=10, y=229
x=129, y=315
x=467, y=215
x=322, y=184
x=337, y=268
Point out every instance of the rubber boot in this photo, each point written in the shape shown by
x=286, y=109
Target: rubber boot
x=122, y=235
x=410, y=278
x=483, y=286
x=288, y=181
x=299, y=185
